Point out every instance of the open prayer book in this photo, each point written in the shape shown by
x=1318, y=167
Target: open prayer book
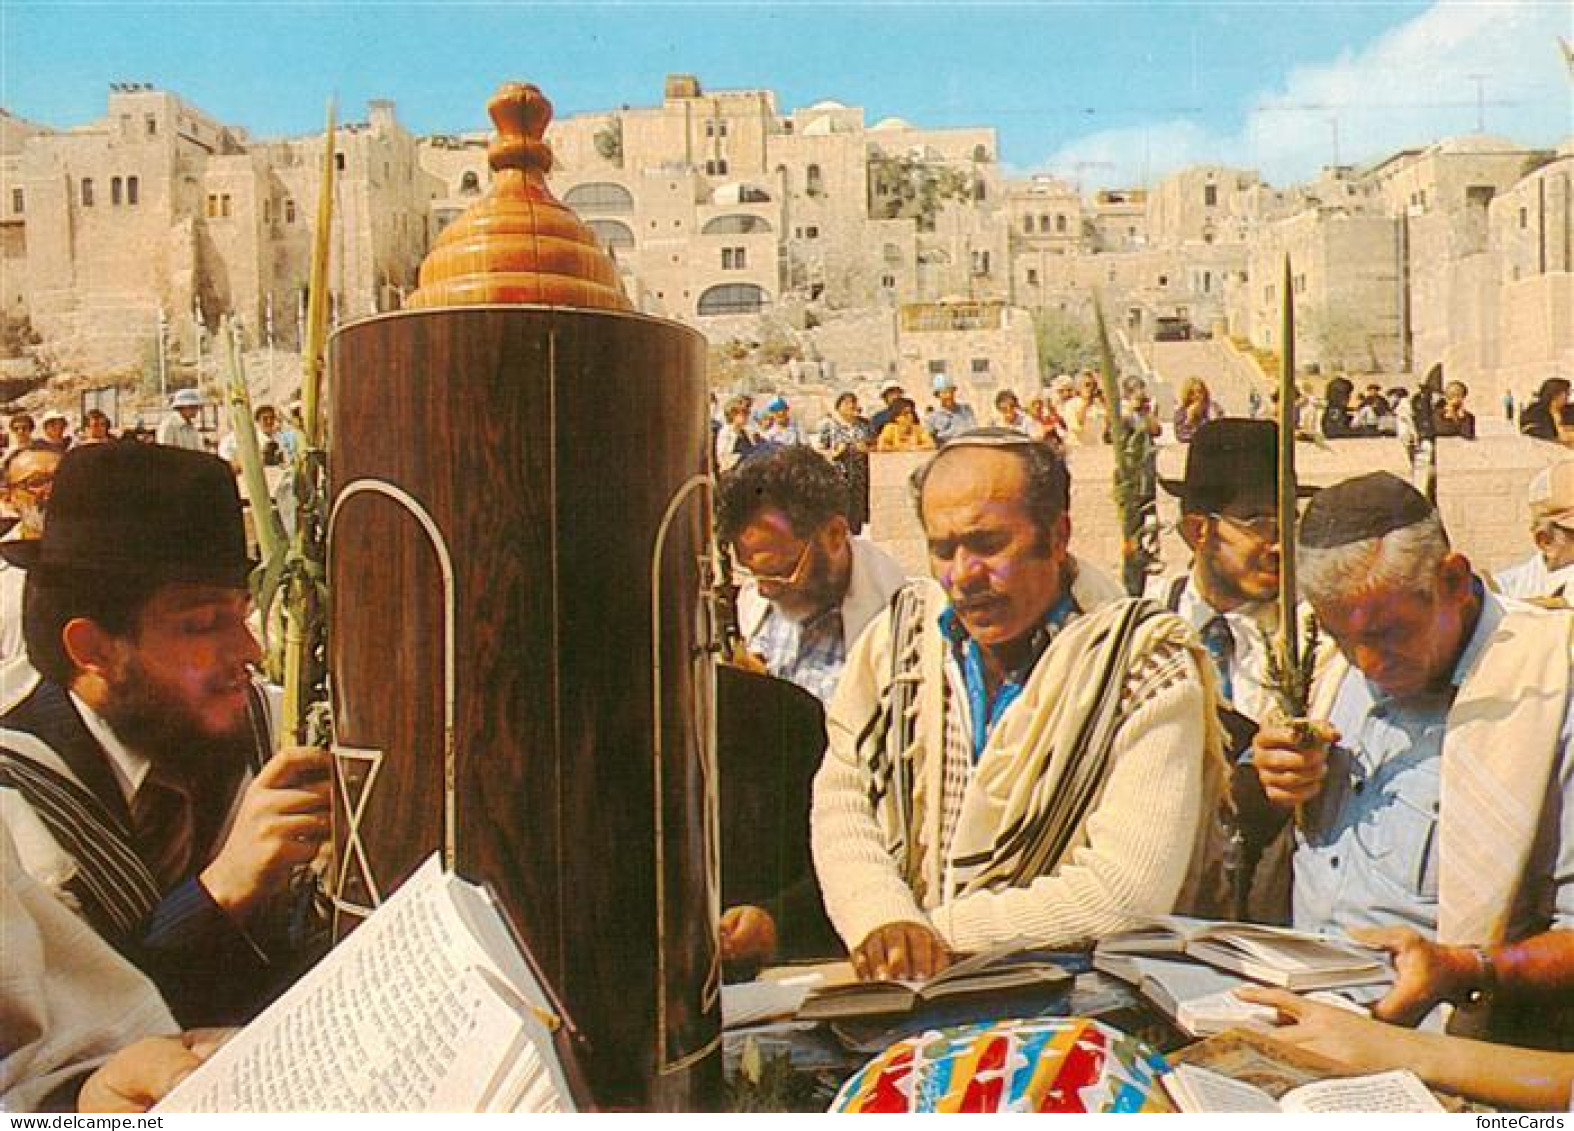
x=1275, y=955
x=990, y=974
x=429, y=1006
x=1197, y=1089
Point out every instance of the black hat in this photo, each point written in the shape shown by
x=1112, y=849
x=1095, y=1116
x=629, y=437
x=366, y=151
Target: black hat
x=1368, y=506
x=1230, y=461
x=164, y=513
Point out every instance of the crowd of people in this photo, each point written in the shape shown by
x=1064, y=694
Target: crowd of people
x=1017, y=750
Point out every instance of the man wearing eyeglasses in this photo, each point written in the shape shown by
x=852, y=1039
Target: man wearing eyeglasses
x=1229, y=596
x=1548, y=574
x=29, y=478
x=807, y=586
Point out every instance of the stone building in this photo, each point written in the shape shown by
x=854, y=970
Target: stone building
x=159, y=209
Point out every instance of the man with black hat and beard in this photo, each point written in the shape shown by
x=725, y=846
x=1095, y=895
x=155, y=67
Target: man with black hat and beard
x=137, y=778
x=1435, y=780
x=1230, y=520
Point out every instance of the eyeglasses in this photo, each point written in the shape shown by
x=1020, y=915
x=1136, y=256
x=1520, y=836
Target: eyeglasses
x=1263, y=527
x=743, y=573
x=34, y=484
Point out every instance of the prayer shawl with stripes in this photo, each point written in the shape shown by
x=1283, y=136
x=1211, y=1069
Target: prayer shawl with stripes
x=72, y=828
x=1023, y=810
x=1500, y=756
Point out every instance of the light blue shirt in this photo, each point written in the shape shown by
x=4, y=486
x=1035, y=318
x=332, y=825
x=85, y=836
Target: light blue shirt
x=1370, y=851
x=947, y=423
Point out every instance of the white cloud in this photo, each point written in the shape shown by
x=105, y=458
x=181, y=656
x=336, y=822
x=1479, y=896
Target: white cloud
x=1409, y=87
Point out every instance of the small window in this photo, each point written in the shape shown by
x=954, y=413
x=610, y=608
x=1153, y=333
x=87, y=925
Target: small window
x=811, y=232
x=936, y=367
x=1043, y=223
x=213, y=205
x=338, y=161
x=1210, y=196
x=115, y=191
x=16, y=201
x=1027, y=224
x=1060, y=223
x=152, y=125
x=289, y=212
x=1164, y=280
x=814, y=181
x=1032, y=276
x=980, y=365
x=888, y=282
x=470, y=183
x=87, y=192
x=132, y=187
x=980, y=153
x=1524, y=218
x=734, y=258
x=224, y=206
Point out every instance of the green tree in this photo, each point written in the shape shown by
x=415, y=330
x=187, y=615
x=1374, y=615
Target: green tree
x=1066, y=342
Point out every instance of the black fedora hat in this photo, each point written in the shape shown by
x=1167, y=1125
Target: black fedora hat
x=165, y=513
x=1229, y=461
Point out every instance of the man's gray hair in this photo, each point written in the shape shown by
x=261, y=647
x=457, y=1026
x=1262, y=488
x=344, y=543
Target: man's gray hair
x=1404, y=560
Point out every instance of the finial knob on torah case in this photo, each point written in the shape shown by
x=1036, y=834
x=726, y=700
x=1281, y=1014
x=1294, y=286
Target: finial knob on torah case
x=519, y=641
x=518, y=244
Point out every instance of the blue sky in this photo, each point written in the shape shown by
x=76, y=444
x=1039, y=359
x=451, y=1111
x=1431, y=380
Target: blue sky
x=1108, y=93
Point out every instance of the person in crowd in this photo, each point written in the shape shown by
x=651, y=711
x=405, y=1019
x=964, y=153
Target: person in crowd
x=57, y=431
x=1548, y=574
x=1436, y=797
x=1229, y=596
x=1045, y=423
x=179, y=428
x=96, y=427
x=1453, y=418
x=1418, y=431
x=1196, y=408
x=19, y=430
x=778, y=426
x=1136, y=406
x=1009, y=414
x=945, y=818
x=1086, y=413
x=845, y=439
x=890, y=393
x=29, y=478
x=139, y=775
x=1374, y=416
x=807, y=587
x=904, y=433
x=950, y=417
x=1339, y=418
x=737, y=439
x=1544, y=417
x=276, y=444
x=1504, y=1075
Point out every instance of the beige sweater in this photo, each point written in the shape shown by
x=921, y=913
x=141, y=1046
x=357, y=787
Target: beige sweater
x=1138, y=844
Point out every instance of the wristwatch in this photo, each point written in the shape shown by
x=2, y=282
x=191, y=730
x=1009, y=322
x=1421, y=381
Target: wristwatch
x=1485, y=985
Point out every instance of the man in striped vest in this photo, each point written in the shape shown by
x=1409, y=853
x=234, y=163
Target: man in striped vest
x=136, y=777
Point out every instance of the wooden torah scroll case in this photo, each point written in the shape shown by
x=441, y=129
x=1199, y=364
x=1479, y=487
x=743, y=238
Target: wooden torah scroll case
x=520, y=656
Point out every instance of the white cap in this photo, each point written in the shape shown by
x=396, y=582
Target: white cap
x=51, y=415
x=186, y=398
x=943, y=382
x=892, y=386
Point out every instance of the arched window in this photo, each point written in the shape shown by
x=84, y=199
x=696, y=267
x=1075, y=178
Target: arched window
x=732, y=298
x=469, y=184
x=737, y=224
x=980, y=153
x=613, y=233
x=814, y=182
x=599, y=196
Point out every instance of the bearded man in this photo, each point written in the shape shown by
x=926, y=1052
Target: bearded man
x=135, y=778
